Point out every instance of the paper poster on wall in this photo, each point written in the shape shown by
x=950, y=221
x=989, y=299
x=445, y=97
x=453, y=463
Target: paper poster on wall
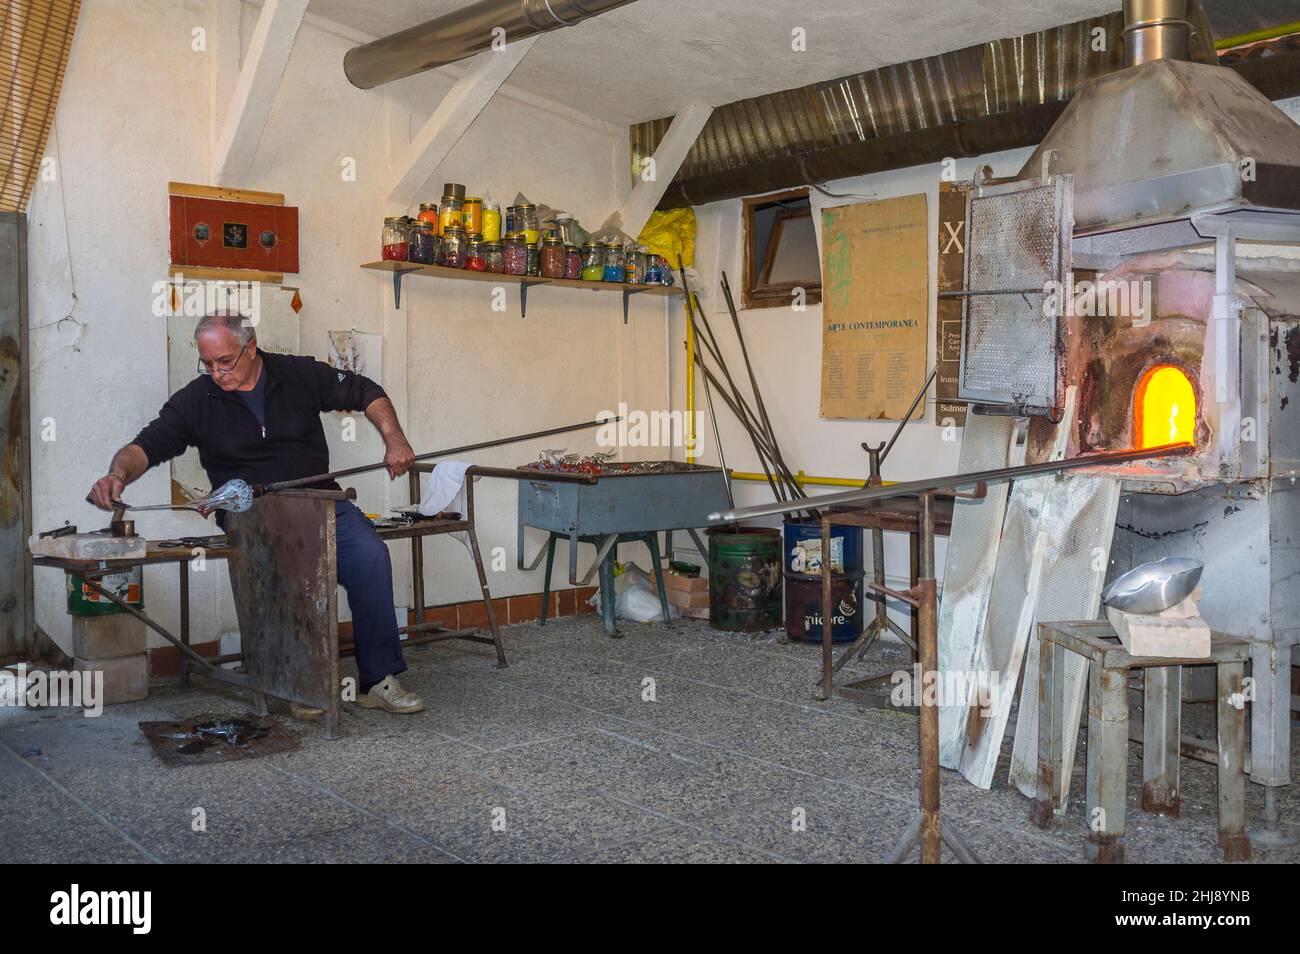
x=276, y=331
x=952, y=278
x=361, y=352
x=875, y=306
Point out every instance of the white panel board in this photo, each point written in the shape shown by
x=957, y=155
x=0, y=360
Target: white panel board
x=1082, y=527
x=1012, y=603
x=988, y=443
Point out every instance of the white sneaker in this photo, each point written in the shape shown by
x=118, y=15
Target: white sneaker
x=391, y=697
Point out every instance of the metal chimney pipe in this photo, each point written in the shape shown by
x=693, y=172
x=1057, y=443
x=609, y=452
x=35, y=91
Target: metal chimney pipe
x=1156, y=30
x=461, y=34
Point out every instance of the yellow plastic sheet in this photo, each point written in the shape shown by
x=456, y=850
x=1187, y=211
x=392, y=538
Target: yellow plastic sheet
x=672, y=235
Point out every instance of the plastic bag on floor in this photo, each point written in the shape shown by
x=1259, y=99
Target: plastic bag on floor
x=636, y=598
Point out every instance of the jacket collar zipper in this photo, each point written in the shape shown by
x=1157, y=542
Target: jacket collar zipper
x=271, y=382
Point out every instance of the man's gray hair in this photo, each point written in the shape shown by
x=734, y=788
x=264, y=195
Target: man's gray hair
x=237, y=325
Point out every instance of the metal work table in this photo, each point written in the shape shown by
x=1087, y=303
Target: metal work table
x=617, y=507
x=159, y=552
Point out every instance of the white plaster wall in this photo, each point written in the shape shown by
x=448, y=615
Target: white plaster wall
x=135, y=113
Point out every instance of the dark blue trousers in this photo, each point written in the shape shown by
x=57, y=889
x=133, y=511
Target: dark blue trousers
x=366, y=573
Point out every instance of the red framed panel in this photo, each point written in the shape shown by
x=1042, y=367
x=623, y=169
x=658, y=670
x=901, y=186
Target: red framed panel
x=217, y=234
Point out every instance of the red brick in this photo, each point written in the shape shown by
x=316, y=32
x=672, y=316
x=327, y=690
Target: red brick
x=581, y=595
x=688, y=600
x=444, y=616
x=566, y=602
x=526, y=608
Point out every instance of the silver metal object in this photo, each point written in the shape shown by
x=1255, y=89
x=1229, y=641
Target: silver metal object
x=461, y=34
x=1224, y=148
x=1155, y=586
x=1155, y=30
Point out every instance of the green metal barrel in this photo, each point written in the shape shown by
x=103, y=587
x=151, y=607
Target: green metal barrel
x=745, y=578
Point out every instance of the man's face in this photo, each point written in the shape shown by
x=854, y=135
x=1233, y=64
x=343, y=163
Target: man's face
x=220, y=351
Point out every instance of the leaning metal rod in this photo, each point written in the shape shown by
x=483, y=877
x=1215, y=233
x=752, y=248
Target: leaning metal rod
x=777, y=488
x=109, y=594
x=898, y=431
x=748, y=420
x=777, y=460
x=446, y=452
x=708, y=392
x=784, y=480
x=740, y=412
x=751, y=423
x=765, y=453
x=775, y=455
x=972, y=479
x=749, y=367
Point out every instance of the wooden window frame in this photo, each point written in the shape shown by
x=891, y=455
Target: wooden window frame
x=757, y=291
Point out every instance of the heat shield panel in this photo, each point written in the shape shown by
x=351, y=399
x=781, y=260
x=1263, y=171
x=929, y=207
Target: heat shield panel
x=1017, y=270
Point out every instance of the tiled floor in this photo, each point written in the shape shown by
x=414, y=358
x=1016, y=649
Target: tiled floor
x=667, y=745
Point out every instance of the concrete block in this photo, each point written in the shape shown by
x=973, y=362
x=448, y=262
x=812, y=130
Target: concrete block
x=108, y=637
x=1161, y=635
x=126, y=678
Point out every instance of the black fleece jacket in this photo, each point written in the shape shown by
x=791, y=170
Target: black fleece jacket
x=230, y=440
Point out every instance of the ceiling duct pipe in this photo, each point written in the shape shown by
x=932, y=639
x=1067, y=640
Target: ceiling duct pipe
x=1156, y=30
x=456, y=36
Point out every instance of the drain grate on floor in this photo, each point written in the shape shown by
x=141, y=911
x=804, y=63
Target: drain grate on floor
x=207, y=739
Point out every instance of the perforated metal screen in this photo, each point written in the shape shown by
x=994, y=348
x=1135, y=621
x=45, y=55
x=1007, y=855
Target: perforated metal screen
x=1017, y=269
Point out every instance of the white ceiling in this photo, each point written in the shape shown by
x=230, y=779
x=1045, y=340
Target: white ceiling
x=650, y=58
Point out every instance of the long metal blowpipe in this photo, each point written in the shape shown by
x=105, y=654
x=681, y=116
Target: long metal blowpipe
x=238, y=495
x=954, y=481
x=446, y=452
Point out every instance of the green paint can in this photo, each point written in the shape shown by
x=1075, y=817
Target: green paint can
x=745, y=578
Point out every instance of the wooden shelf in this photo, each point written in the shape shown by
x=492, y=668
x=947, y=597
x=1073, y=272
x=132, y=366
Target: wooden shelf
x=400, y=270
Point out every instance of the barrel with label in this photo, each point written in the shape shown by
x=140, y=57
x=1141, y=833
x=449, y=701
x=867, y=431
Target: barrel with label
x=744, y=578
x=127, y=585
x=801, y=567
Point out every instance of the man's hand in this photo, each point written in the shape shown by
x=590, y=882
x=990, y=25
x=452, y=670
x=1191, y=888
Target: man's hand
x=398, y=457
x=107, y=492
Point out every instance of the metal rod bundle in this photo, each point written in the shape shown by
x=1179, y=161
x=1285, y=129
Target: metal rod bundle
x=751, y=413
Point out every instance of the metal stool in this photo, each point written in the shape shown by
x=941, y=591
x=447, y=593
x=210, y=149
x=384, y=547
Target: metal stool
x=1109, y=664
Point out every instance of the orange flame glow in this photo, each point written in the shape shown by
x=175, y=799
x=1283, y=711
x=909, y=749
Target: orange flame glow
x=1165, y=408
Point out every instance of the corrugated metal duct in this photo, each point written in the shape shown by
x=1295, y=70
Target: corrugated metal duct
x=1005, y=94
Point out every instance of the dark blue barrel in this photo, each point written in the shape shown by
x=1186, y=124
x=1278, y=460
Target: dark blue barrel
x=801, y=567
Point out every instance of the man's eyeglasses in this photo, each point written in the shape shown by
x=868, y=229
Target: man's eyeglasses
x=222, y=369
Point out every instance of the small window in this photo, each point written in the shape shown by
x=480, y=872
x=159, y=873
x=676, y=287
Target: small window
x=780, y=250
